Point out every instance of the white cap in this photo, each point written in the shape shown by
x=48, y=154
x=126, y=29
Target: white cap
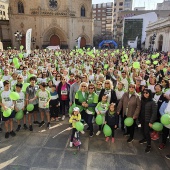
x=76, y=109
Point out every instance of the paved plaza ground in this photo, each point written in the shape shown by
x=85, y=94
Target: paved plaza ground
x=38, y=150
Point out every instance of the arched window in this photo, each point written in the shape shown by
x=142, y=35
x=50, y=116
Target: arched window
x=20, y=7
x=83, y=11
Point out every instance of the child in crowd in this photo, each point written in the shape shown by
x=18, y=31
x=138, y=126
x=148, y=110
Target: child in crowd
x=101, y=108
x=54, y=104
x=20, y=105
x=111, y=119
x=76, y=117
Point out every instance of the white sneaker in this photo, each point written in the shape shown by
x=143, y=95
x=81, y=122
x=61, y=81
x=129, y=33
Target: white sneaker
x=63, y=117
x=71, y=144
x=98, y=133
x=82, y=132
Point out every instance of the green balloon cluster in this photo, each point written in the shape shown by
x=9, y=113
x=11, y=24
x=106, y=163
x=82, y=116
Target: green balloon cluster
x=14, y=96
x=99, y=120
x=165, y=119
x=107, y=130
x=19, y=115
x=7, y=113
x=79, y=126
x=30, y=107
x=157, y=126
x=128, y=121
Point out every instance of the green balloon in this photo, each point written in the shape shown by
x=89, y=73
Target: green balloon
x=7, y=113
x=21, y=55
x=71, y=108
x=15, y=60
x=148, y=61
x=136, y=65
x=157, y=126
x=30, y=107
x=79, y=126
x=17, y=65
x=106, y=66
x=21, y=47
x=128, y=121
x=99, y=120
x=155, y=62
x=14, y=96
x=24, y=87
x=19, y=115
x=107, y=130
x=165, y=119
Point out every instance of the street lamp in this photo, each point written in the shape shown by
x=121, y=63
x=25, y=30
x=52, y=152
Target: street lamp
x=18, y=36
x=33, y=40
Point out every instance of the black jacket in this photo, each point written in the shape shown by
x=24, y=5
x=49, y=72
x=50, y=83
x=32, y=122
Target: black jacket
x=148, y=111
x=113, y=96
x=111, y=119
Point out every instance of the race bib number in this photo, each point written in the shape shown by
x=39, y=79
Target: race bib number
x=63, y=92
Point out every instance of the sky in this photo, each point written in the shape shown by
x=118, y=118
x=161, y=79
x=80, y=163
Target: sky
x=149, y=4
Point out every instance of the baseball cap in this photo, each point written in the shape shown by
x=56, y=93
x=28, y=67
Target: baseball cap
x=76, y=109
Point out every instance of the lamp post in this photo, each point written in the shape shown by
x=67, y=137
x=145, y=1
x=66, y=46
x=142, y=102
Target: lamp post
x=33, y=40
x=18, y=36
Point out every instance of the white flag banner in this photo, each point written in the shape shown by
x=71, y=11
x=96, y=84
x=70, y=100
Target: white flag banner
x=79, y=42
x=28, y=41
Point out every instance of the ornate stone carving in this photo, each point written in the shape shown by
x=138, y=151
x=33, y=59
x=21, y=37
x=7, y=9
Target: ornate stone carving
x=39, y=11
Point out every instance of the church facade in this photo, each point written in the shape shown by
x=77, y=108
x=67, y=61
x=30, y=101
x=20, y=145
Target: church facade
x=53, y=22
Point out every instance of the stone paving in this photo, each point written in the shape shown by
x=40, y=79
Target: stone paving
x=38, y=150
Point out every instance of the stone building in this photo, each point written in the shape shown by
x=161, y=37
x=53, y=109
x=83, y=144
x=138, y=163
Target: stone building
x=4, y=24
x=161, y=29
x=53, y=22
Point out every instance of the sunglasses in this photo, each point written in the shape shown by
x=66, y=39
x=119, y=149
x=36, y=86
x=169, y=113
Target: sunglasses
x=98, y=84
x=63, y=79
x=131, y=87
x=19, y=78
x=106, y=83
x=145, y=92
x=54, y=73
x=91, y=88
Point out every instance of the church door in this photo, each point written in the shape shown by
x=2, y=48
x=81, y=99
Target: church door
x=54, y=40
x=83, y=42
x=23, y=41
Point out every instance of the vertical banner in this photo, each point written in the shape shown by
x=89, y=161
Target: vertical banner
x=79, y=41
x=28, y=41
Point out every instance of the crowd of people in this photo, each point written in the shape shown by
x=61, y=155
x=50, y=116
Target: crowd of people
x=116, y=83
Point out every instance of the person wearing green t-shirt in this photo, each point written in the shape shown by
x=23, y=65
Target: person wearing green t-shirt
x=81, y=99
x=90, y=105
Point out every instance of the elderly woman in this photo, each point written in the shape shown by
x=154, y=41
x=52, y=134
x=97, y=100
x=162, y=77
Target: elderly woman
x=81, y=99
x=108, y=89
x=131, y=105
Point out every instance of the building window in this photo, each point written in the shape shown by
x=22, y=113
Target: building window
x=83, y=11
x=4, y=13
x=121, y=4
x=20, y=7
